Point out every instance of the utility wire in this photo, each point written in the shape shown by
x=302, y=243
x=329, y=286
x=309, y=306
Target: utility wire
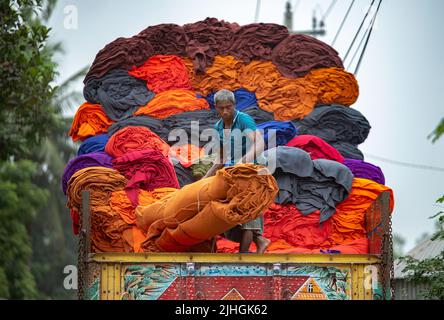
x=332, y=4
x=405, y=164
x=368, y=38
x=343, y=22
x=359, y=30
x=359, y=47
x=256, y=15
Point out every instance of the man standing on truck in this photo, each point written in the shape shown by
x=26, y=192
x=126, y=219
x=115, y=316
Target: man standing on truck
x=240, y=142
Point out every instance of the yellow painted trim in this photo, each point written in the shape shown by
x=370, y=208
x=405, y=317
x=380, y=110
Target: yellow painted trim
x=233, y=258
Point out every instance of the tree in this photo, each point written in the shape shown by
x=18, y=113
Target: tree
x=398, y=245
x=430, y=272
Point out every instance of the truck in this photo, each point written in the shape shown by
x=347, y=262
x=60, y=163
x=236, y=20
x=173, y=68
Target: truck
x=233, y=276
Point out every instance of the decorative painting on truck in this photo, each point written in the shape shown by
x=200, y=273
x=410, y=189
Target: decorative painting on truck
x=235, y=282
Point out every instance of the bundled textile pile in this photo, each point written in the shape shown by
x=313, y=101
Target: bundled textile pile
x=146, y=119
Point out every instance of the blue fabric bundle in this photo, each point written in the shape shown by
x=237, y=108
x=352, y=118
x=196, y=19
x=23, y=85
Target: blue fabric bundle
x=284, y=131
x=244, y=99
x=93, y=144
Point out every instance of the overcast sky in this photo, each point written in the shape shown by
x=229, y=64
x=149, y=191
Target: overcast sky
x=400, y=77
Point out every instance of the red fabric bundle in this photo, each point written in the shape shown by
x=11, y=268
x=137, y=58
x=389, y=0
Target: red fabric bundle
x=146, y=169
x=135, y=138
x=316, y=147
x=163, y=72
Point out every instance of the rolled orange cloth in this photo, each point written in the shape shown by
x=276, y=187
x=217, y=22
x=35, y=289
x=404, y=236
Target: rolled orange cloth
x=100, y=181
x=187, y=154
x=334, y=85
x=89, y=120
x=171, y=102
x=133, y=139
x=204, y=209
x=222, y=74
x=163, y=72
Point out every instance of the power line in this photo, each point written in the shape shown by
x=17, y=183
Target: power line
x=256, y=15
x=332, y=4
x=405, y=164
x=368, y=38
x=359, y=47
x=342, y=23
x=359, y=30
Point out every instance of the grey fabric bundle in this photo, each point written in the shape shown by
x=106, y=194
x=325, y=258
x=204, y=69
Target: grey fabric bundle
x=343, y=127
x=155, y=125
x=205, y=118
x=258, y=115
x=184, y=175
x=118, y=93
x=310, y=184
x=335, y=123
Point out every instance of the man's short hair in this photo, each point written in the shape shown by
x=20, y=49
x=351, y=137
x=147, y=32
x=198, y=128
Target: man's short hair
x=224, y=95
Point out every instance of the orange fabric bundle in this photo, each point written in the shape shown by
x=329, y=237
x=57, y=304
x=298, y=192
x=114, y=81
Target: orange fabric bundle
x=89, y=120
x=203, y=209
x=121, y=204
x=223, y=74
x=135, y=138
x=187, y=154
x=100, y=181
x=171, y=102
x=334, y=85
x=348, y=223
x=163, y=72
x=288, y=99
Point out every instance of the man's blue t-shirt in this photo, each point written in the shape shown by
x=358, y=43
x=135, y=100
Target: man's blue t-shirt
x=242, y=125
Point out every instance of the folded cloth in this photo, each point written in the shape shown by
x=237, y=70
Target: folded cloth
x=163, y=72
x=118, y=93
x=186, y=154
x=243, y=97
x=122, y=205
x=189, y=127
x=201, y=167
x=348, y=150
x=334, y=85
x=206, y=208
x=222, y=74
x=100, y=181
x=258, y=115
x=311, y=185
x=184, y=175
x=362, y=169
x=166, y=38
x=316, y=148
x=171, y=102
x=335, y=123
x=348, y=223
x=256, y=41
x=206, y=39
x=135, y=139
x=145, y=169
x=121, y=53
x=279, y=132
x=89, y=120
x=297, y=54
x=155, y=125
x=93, y=144
x=97, y=159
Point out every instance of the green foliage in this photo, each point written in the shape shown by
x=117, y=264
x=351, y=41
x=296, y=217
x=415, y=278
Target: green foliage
x=429, y=272
x=20, y=199
x=438, y=132
x=26, y=73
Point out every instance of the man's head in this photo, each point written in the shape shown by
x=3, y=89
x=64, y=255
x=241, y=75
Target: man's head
x=225, y=103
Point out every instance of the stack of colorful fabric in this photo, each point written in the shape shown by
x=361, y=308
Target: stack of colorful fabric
x=149, y=107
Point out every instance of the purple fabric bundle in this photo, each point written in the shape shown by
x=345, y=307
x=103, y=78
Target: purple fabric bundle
x=96, y=159
x=362, y=169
